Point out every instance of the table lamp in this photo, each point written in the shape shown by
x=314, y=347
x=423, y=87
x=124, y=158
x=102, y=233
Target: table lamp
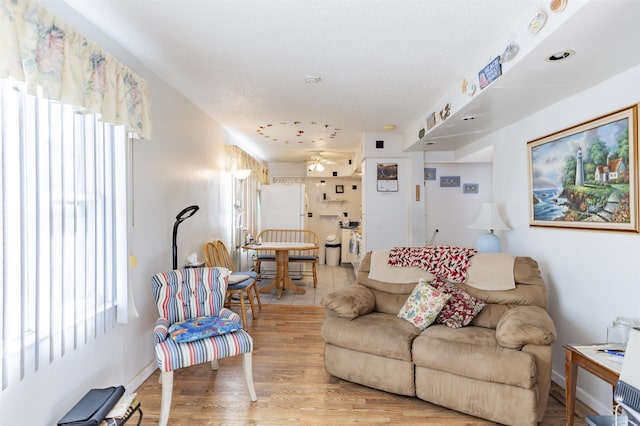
x=488, y=219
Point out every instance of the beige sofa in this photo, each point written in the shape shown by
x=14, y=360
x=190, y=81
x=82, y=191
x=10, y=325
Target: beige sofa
x=498, y=367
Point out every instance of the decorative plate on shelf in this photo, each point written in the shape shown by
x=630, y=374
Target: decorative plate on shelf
x=468, y=88
x=537, y=22
x=509, y=53
x=557, y=6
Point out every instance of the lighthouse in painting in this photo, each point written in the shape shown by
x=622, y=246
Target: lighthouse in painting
x=579, y=169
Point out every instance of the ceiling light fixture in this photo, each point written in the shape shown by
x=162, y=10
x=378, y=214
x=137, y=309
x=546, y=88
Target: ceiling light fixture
x=316, y=166
x=312, y=79
x=558, y=56
x=389, y=127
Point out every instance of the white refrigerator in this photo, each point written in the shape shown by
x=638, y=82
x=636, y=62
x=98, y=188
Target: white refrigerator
x=283, y=206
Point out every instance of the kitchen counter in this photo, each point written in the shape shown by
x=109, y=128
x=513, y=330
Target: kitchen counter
x=352, y=225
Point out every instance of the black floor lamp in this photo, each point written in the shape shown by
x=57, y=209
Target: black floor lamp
x=182, y=216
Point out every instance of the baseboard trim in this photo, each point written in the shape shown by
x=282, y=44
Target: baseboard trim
x=139, y=378
x=581, y=394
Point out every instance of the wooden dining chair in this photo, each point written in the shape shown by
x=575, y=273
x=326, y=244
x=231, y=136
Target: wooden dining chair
x=244, y=284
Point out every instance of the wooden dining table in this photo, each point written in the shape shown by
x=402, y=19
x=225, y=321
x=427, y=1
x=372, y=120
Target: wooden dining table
x=281, y=281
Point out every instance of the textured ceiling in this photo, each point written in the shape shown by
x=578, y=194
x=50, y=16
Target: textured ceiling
x=245, y=61
x=381, y=61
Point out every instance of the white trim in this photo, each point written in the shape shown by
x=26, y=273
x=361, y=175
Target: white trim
x=143, y=375
x=581, y=394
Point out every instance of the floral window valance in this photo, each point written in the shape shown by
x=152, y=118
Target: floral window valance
x=238, y=159
x=54, y=61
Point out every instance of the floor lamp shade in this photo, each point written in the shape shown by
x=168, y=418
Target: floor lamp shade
x=181, y=217
x=489, y=219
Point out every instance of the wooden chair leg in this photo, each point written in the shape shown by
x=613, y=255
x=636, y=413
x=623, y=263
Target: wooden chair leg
x=248, y=375
x=243, y=312
x=167, y=390
x=257, y=293
x=254, y=315
x=315, y=275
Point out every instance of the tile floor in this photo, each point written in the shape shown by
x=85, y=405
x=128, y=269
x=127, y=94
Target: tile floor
x=330, y=278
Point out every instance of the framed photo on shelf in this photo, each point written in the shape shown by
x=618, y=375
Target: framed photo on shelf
x=387, y=177
x=339, y=189
x=586, y=176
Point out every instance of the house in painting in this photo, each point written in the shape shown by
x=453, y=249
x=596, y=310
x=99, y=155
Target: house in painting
x=615, y=169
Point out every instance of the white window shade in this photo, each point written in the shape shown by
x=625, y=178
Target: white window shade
x=63, y=230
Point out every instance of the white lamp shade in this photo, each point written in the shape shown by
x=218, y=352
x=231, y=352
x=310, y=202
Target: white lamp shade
x=489, y=218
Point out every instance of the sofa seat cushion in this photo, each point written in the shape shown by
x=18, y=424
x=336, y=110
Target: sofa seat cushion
x=375, y=333
x=475, y=353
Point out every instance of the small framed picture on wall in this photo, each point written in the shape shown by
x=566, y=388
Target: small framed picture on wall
x=470, y=188
x=387, y=177
x=339, y=189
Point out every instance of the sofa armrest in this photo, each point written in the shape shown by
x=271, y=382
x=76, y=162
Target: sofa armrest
x=350, y=302
x=161, y=330
x=525, y=325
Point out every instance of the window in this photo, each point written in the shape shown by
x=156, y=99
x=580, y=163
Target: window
x=63, y=234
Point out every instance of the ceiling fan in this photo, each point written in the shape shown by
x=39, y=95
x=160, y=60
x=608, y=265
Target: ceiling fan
x=317, y=161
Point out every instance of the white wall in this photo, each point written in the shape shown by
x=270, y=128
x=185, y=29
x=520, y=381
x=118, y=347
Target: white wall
x=592, y=277
x=328, y=213
x=179, y=167
x=391, y=218
x=449, y=210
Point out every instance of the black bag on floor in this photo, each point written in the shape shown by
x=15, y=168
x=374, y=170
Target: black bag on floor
x=93, y=407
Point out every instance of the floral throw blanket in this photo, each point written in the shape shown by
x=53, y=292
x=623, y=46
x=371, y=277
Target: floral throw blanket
x=448, y=262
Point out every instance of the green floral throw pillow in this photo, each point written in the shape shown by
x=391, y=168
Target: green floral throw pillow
x=423, y=305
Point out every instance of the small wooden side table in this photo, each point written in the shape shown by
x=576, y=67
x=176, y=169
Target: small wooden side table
x=596, y=363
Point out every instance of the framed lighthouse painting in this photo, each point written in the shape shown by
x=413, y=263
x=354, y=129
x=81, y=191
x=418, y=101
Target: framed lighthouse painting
x=586, y=176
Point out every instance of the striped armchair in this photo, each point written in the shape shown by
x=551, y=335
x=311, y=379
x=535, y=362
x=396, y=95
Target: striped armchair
x=193, y=293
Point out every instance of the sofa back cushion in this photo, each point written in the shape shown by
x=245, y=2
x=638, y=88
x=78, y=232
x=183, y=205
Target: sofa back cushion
x=530, y=291
x=390, y=297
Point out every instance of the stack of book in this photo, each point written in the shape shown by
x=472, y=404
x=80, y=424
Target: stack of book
x=123, y=410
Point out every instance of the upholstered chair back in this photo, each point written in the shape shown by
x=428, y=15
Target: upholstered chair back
x=189, y=293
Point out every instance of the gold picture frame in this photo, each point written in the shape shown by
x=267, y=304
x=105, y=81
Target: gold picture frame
x=585, y=177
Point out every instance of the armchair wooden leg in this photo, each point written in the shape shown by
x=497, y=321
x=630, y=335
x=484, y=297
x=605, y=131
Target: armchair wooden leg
x=167, y=390
x=248, y=375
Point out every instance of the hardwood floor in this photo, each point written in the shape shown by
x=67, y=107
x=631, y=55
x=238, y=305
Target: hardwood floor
x=293, y=387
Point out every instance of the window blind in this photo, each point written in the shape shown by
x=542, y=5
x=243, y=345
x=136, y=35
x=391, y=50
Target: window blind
x=63, y=232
